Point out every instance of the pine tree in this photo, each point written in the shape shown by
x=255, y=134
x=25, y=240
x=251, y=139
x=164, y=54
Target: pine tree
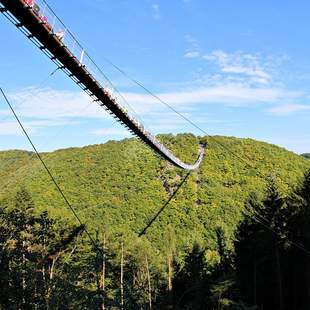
x=259, y=247
x=297, y=260
x=191, y=283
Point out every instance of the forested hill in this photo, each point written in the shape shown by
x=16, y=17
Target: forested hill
x=201, y=252
x=122, y=185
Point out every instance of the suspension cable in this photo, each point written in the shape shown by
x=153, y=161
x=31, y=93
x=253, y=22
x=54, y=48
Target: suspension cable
x=247, y=162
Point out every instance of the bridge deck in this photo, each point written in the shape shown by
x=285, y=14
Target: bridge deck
x=42, y=34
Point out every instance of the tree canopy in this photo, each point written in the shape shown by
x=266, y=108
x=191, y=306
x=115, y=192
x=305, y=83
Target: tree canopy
x=198, y=252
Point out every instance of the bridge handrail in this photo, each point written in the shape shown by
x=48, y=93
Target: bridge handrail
x=55, y=27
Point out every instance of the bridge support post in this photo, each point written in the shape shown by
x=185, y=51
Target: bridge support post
x=82, y=57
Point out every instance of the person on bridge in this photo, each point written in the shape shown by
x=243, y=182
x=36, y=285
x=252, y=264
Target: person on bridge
x=29, y=2
x=60, y=34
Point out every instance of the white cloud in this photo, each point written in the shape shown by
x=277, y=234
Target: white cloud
x=12, y=128
x=241, y=63
x=9, y=128
x=49, y=104
x=48, y=107
x=192, y=54
x=45, y=108
x=288, y=109
x=230, y=94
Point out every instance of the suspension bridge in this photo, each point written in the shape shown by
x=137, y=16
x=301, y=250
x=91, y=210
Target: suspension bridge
x=37, y=20
x=41, y=25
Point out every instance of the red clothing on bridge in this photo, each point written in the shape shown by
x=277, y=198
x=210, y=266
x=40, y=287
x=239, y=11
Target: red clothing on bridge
x=29, y=2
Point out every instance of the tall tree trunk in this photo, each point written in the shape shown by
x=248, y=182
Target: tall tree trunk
x=149, y=282
x=45, y=285
x=122, y=275
x=24, y=277
x=170, y=271
x=46, y=288
x=50, y=284
x=52, y=269
x=102, y=282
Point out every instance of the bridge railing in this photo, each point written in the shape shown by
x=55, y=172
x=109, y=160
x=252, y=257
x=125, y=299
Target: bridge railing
x=60, y=30
x=53, y=23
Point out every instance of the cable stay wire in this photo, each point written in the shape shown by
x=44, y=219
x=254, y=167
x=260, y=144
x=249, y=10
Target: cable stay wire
x=247, y=162
x=59, y=189
x=297, y=245
x=55, y=135
x=300, y=246
x=93, y=86
x=113, y=86
x=138, y=83
x=190, y=122
x=32, y=94
x=142, y=86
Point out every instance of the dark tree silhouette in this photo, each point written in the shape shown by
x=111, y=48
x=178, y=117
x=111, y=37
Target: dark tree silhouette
x=259, y=249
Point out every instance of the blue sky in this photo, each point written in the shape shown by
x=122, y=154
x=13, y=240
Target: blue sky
x=236, y=68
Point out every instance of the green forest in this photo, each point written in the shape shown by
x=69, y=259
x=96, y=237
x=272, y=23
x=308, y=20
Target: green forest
x=234, y=234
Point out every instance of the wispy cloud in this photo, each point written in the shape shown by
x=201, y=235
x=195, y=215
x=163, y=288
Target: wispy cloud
x=193, y=50
x=11, y=127
x=156, y=11
x=192, y=54
x=240, y=63
x=51, y=104
x=48, y=107
x=288, y=109
x=41, y=108
x=230, y=94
